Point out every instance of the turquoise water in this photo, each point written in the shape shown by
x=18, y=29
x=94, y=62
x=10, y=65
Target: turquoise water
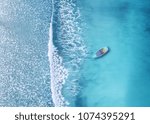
x=122, y=77
x=47, y=48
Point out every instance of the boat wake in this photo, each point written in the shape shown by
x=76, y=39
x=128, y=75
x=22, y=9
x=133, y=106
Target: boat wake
x=66, y=51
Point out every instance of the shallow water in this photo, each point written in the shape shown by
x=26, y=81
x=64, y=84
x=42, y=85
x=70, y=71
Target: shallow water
x=24, y=66
x=53, y=65
x=121, y=78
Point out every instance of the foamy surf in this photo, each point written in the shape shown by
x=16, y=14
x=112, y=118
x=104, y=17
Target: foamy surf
x=64, y=67
x=57, y=71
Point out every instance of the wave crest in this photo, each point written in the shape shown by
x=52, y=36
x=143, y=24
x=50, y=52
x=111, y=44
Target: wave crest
x=67, y=51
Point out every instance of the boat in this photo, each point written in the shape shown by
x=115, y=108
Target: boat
x=101, y=52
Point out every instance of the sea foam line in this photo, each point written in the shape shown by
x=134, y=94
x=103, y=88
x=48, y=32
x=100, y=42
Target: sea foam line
x=57, y=71
x=71, y=42
x=65, y=72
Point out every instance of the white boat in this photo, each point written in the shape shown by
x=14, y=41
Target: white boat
x=101, y=52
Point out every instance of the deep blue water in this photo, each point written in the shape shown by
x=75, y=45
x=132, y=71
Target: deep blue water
x=53, y=65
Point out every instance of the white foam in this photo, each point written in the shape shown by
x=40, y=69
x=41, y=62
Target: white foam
x=57, y=71
x=69, y=37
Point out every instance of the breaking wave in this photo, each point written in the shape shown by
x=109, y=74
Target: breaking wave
x=66, y=51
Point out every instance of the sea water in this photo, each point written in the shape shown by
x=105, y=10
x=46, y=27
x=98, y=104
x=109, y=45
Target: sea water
x=24, y=66
x=47, y=48
x=121, y=78
x=66, y=52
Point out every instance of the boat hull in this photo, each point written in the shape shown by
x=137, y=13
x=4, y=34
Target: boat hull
x=101, y=52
